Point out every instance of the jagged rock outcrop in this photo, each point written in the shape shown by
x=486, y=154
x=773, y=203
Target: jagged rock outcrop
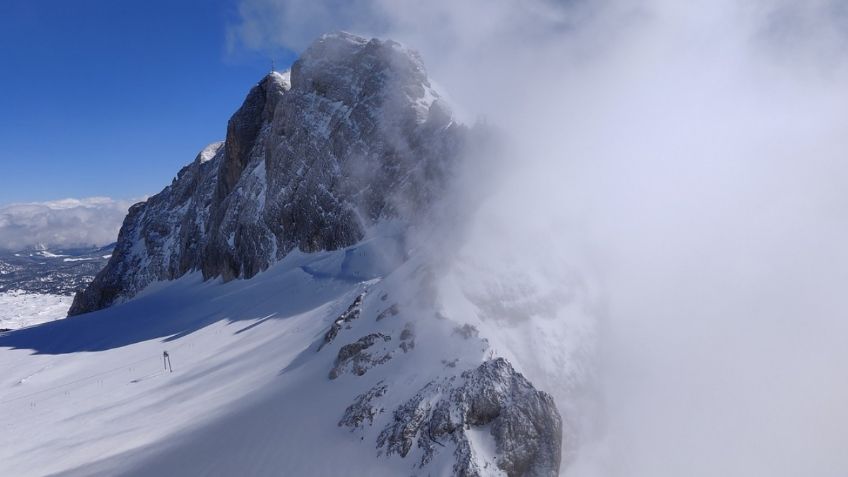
x=360, y=356
x=390, y=311
x=353, y=134
x=352, y=313
x=363, y=410
x=523, y=423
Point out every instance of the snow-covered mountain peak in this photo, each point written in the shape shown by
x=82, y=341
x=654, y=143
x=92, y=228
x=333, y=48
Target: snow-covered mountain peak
x=340, y=63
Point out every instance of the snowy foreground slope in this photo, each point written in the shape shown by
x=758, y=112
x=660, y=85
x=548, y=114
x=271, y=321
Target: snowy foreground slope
x=321, y=310
x=257, y=389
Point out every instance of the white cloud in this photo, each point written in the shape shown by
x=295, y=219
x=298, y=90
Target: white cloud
x=62, y=223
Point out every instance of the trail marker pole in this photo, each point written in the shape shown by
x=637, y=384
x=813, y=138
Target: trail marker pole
x=166, y=361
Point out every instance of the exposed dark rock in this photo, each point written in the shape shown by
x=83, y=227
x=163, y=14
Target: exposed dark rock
x=466, y=331
x=364, y=408
x=390, y=311
x=407, y=338
x=451, y=363
x=524, y=423
x=243, y=130
x=355, y=359
x=352, y=313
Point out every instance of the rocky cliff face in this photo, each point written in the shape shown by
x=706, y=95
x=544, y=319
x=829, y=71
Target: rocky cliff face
x=353, y=134
x=523, y=423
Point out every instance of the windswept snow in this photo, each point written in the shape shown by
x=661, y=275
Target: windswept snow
x=209, y=152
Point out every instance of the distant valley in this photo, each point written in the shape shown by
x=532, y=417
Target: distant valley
x=38, y=285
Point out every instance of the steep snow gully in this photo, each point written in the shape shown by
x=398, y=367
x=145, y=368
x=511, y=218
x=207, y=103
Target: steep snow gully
x=343, y=350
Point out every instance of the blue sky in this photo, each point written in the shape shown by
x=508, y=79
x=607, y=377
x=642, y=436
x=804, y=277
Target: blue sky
x=111, y=98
